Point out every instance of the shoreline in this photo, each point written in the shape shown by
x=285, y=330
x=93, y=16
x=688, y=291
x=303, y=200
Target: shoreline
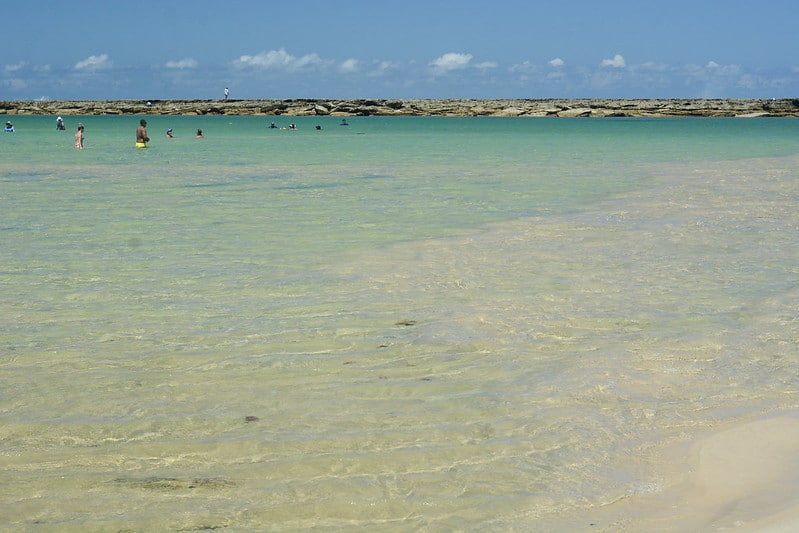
x=740, y=476
x=548, y=107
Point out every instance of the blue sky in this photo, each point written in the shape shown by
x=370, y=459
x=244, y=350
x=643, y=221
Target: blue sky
x=90, y=49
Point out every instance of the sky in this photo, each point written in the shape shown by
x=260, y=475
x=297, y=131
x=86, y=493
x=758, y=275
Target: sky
x=176, y=49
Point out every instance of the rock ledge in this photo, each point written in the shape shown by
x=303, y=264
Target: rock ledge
x=421, y=107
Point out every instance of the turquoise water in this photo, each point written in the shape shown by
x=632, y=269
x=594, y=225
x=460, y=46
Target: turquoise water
x=432, y=323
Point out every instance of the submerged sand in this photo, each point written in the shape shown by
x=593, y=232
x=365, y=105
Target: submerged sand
x=742, y=478
x=552, y=107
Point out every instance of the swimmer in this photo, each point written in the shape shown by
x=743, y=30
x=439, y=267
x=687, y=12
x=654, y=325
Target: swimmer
x=141, y=134
x=9, y=127
x=169, y=133
x=79, y=137
x=272, y=126
x=59, y=124
x=344, y=122
x=199, y=134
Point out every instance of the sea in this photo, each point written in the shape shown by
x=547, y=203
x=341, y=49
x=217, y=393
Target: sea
x=402, y=324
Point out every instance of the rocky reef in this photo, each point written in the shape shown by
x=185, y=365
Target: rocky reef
x=551, y=107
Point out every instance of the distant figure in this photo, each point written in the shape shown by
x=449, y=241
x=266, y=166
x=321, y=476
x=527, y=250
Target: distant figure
x=59, y=124
x=292, y=126
x=9, y=127
x=169, y=133
x=272, y=126
x=141, y=134
x=344, y=122
x=318, y=127
x=79, y=137
x=199, y=134
x=227, y=93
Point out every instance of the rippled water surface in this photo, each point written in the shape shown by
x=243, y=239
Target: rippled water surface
x=403, y=324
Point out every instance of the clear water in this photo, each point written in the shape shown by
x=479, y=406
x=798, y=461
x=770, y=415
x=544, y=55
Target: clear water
x=431, y=323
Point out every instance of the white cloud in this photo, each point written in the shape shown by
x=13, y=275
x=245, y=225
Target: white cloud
x=181, y=64
x=277, y=59
x=22, y=65
x=608, y=78
x=14, y=83
x=723, y=70
x=350, y=65
x=307, y=60
x=94, y=63
x=692, y=69
x=523, y=68
x=383, y=67
x=14, y=68
x=451, y=61
x=486, y=65
x=651, y=66
x=557, y=62
x=616, y=62
x=272, y=59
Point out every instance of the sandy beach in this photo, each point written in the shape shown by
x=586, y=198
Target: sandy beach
x=419, y=107
x=739, y=478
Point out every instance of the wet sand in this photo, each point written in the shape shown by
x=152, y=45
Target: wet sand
x=742, y=478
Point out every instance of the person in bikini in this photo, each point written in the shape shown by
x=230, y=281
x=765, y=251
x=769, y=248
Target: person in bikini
x=79, y=137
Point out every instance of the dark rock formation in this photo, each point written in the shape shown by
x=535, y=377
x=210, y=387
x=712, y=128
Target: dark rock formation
x=449, y=107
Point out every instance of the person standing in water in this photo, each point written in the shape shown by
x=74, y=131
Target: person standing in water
x=79, y=137
x=141, y=134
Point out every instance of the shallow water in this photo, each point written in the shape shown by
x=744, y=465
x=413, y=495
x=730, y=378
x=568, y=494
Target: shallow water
x=403, y=324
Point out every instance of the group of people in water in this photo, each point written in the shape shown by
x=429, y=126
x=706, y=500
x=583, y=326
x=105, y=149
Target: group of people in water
x=141, y=132
x=59, y=125
x=142, y=139
x=293, y=126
